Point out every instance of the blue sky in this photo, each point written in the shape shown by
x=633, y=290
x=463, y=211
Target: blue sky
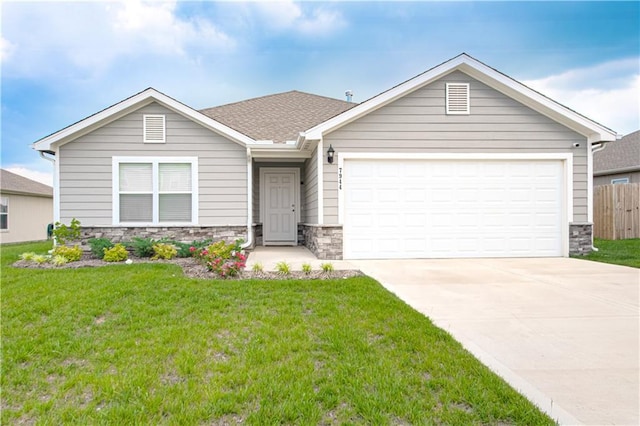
x=64, y=61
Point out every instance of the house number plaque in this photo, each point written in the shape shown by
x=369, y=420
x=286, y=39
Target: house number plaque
x=340, y=178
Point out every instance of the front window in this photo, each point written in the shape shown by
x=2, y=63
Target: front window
x=4, y=213
x=155, y=191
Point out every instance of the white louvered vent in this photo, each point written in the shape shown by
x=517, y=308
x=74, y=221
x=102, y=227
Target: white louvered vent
x=154, y=129
x=458, y=98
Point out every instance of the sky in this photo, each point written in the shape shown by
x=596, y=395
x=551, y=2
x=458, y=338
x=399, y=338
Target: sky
x=63, y=61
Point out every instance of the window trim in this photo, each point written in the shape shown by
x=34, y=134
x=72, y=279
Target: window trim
x=5, y=201
x=617, y=181
x=144, y=128
x=467, y=110
x=155, y=161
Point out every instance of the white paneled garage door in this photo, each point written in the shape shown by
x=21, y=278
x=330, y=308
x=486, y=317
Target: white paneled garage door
x=452, y=208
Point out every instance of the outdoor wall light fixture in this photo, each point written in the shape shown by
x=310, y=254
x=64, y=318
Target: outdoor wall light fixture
x=330, y=153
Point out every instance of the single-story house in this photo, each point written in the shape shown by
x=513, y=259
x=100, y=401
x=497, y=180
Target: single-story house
x=619, y=162
x=26, y=208
x=459, y=161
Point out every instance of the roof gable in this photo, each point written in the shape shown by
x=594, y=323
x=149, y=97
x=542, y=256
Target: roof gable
x=16, y=184
x=133, y=103
x=485, y=74
x=279, y=117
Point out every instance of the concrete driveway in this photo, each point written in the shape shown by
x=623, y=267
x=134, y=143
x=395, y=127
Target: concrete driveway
x=564, y=332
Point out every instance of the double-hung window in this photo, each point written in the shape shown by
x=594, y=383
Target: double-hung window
x=157, y=190
x=4, y=213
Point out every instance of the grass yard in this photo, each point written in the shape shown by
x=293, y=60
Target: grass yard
x=142, y=344
x=619, y=252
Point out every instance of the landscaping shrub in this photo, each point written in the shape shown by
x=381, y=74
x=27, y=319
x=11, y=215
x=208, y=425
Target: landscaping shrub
x=225, y=260
x=283, y=268
x=164, y=251
x=117, y=253
x=72, y=254
x=59, y=260
x=64, y=233
x=184, y=249
x=98, y=245
x=142, y=247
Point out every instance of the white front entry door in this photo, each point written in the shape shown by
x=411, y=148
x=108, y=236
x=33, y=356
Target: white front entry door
x=280, y=208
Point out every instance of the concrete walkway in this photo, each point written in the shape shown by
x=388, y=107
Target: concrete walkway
x=295, y=256
x=564, y=332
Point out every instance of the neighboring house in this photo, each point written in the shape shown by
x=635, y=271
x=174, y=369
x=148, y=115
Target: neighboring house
x=26, y=208
x=619, y=162
x=459, y=161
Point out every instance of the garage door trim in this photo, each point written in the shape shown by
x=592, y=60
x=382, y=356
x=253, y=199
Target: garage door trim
x=565, y=158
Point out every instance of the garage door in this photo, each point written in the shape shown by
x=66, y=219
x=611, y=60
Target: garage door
x=452, y=208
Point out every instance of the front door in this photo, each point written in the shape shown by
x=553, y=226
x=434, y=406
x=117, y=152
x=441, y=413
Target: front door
x=280, y=208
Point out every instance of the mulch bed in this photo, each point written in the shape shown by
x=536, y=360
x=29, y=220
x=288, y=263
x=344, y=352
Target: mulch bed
x=194, y=269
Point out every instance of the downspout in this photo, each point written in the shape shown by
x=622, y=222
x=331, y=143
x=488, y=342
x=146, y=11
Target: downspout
x=594, y=148
x=249, y=201
x=56, y=192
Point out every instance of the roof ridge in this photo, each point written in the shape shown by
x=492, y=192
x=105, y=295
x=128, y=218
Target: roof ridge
x=276, y=94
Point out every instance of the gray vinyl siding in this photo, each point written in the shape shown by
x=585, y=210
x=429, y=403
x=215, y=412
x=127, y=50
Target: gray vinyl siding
x=86, y=164
x=310, y=201
x=418, y=123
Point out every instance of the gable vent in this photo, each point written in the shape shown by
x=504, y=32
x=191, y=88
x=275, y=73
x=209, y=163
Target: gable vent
x=457, y=98
x=154, y=129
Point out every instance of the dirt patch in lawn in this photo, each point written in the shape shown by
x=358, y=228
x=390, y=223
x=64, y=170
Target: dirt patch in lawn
x=194, y=269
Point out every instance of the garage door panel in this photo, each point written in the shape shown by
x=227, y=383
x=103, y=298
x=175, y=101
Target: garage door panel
x=436, y=208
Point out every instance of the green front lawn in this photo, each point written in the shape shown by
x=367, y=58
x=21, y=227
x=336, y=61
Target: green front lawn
x=142, y=344
x=620, y=252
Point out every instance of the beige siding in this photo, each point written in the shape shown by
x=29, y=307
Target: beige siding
x=310, y=201
x=28, y=218
x=418, y=123
x=85, y=168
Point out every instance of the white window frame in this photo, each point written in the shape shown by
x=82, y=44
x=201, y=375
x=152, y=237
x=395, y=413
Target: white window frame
x=467, y=111
x=5, y=202
x=619, y=180
x=155, y=162
x=145, y=117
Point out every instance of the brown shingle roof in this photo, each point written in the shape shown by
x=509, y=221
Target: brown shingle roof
x=13, y=183
x=280, y=117
x=620, y=154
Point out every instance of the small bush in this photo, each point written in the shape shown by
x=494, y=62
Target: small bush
x=184, y=249
x=117, y=253
x=64, y=233
x=226, y=260
x=28, y=256
x=327, y=267
x=72, y=254
x=59, y=260
x=98, y=245
x=283, y=268
x=257, y=267
x=306, y=268
x=164, y=251
x=142, y=247
x=40, y=258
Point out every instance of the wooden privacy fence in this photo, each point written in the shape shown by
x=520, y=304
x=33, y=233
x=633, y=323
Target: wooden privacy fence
x=616, y=211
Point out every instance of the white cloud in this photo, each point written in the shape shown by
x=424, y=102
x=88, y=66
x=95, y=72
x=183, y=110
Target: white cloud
x=61, y=40
x=289, y=15
x=6, y=49
x=607, y=93
x=31, y=173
